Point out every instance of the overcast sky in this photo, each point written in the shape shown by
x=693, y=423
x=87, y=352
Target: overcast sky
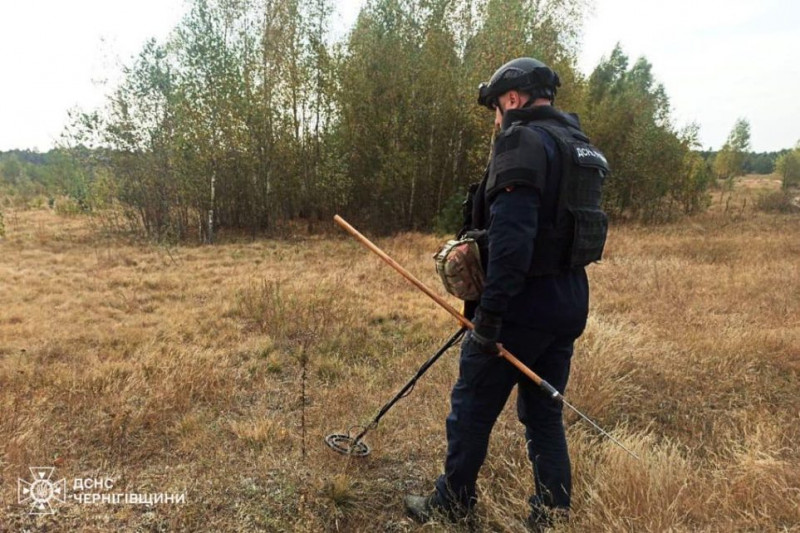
x=718, y=60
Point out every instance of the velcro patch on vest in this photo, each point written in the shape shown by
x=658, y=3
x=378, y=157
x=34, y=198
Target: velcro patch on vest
x=519, y=159
x=586, y=155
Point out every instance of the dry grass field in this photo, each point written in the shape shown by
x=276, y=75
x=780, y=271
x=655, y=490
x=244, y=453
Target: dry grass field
x=216, y=371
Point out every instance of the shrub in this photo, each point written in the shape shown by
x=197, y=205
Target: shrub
x=778, y=202
x=450, y=219
x=67, y=206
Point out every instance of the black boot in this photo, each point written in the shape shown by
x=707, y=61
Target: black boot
x=426, y=508
x=420, y=508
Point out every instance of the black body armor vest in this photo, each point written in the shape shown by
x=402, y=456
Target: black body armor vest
x=576, y=236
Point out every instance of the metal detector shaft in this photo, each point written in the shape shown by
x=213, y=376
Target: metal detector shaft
x=544, y=385
x=410, y=385
x=598, y=428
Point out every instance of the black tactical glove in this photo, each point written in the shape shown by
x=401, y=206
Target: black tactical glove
x=487, y=331
x=479, y=235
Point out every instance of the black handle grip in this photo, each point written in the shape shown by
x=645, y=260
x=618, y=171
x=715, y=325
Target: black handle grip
x=549, y=389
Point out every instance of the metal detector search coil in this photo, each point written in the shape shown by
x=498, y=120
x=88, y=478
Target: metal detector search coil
x=347, y=445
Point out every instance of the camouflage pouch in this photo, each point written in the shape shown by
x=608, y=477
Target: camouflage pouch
x=458, y=263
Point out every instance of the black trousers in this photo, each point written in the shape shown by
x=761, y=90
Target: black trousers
x=478, y=397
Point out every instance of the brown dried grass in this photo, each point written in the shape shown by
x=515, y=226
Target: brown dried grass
x=180, y=370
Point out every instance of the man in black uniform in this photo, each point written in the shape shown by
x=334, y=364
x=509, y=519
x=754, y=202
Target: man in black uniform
x=538, y=211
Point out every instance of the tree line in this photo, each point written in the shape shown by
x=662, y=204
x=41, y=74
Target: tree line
x=251, y=116
x=762, y=163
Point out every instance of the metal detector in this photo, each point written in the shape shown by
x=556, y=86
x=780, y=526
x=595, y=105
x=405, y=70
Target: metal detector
x=508, y=356
x=348, y=445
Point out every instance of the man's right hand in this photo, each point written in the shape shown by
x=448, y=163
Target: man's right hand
x=486, y=331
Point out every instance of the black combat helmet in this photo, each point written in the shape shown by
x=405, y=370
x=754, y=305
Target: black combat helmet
x=522, y=74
